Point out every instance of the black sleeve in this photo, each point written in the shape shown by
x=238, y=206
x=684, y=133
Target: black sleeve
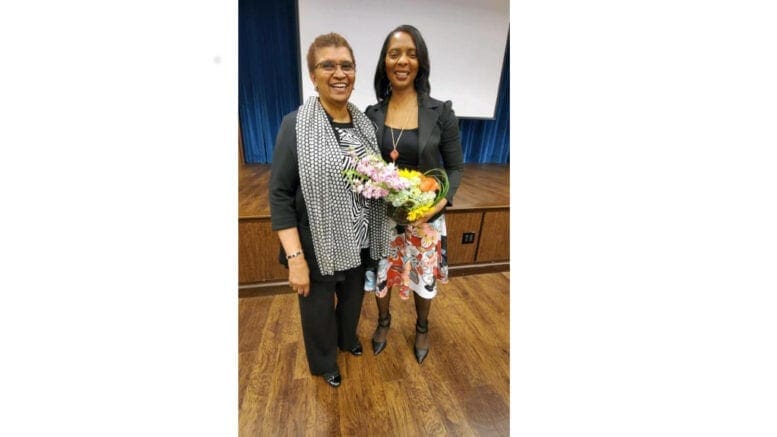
x=450, y=149
x=284, y=176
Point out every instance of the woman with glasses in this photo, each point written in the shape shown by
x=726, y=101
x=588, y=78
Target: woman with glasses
x=421, y=133
x=321, y=223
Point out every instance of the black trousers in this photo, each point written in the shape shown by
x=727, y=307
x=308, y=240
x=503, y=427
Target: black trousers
x=326, y=325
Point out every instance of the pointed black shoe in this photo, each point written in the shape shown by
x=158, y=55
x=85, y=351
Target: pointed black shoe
x=332, y=379
x=420, y=354
x=378, y=346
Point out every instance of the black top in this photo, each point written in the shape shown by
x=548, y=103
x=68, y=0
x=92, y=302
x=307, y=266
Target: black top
x=407, y=146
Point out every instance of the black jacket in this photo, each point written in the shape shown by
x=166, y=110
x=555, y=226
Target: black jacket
x=287, y=205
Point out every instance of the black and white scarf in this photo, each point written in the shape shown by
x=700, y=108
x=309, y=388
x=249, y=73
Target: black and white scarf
x=326, y=197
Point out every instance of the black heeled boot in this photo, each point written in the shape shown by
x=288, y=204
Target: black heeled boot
x=378, y=346
x=420, y=354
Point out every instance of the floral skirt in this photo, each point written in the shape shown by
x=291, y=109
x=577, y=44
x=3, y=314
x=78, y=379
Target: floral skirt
x=417, y=260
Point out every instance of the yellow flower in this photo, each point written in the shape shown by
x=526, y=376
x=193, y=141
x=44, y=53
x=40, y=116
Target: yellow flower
x=409, y=174
x=416, y=213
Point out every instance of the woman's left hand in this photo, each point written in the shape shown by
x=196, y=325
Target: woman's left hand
x=437, y=208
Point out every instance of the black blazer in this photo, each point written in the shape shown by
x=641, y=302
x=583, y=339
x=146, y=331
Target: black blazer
x=439, y=144
x=287, y=205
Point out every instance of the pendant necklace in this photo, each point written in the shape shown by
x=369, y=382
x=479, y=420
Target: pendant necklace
x=394, y=153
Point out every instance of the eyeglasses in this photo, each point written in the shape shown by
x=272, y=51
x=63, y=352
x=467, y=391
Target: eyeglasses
x=330, y=67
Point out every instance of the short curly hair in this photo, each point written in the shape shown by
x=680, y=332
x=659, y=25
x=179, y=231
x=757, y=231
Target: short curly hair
x=326, y=40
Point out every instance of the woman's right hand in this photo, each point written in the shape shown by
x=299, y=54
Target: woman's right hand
x=299, y=275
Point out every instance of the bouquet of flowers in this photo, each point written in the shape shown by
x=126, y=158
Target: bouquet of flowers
x=409, y=193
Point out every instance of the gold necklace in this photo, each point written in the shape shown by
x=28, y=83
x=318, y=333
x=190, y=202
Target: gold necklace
x=394, y=153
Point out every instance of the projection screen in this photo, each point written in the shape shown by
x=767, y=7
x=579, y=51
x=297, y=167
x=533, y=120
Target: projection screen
x=466, y=41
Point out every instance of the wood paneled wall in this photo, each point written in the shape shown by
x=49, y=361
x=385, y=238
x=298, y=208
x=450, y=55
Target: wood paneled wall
x=258, y=244
x=258, y=252
x=492, y=236
x=482, y=207
x=494, y=245
x=457, y=223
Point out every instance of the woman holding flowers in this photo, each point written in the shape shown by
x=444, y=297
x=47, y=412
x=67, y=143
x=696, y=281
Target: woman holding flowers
x=321, y=223
x=415, y=132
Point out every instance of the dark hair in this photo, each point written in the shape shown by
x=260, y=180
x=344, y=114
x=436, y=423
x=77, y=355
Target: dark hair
x=421, y=82
x=326, y=40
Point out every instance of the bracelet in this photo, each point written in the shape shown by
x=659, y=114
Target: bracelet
x=294, y=255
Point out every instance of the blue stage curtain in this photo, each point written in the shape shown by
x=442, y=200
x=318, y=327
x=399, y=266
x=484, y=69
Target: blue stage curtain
x=269, y=75
x=488, y=141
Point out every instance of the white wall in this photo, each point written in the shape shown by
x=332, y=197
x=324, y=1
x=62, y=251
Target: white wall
x=466, y=41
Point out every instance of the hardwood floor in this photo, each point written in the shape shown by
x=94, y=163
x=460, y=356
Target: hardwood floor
x=462, y=389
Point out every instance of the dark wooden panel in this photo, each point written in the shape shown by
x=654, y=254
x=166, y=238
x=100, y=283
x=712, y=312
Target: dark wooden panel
x=495, y=246
x=258, y=252
x=457, y=224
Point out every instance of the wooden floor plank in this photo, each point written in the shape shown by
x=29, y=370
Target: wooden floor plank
x=423, y=404
x=258, y=396
x=476, y=406
x=451, y=411
x=252, y=315
x=461, y=389
x=327, y=410
x=369, y=398
x=256, y=393
x=400, y=418
x=246, y=363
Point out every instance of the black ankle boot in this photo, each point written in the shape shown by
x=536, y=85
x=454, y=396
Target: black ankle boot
x=378, y=346
x=420, y=354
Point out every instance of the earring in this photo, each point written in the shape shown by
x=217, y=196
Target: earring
x=316, y=88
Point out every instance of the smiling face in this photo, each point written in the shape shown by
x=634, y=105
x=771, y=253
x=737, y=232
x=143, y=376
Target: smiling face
x=334, y=87
x=401, y=61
